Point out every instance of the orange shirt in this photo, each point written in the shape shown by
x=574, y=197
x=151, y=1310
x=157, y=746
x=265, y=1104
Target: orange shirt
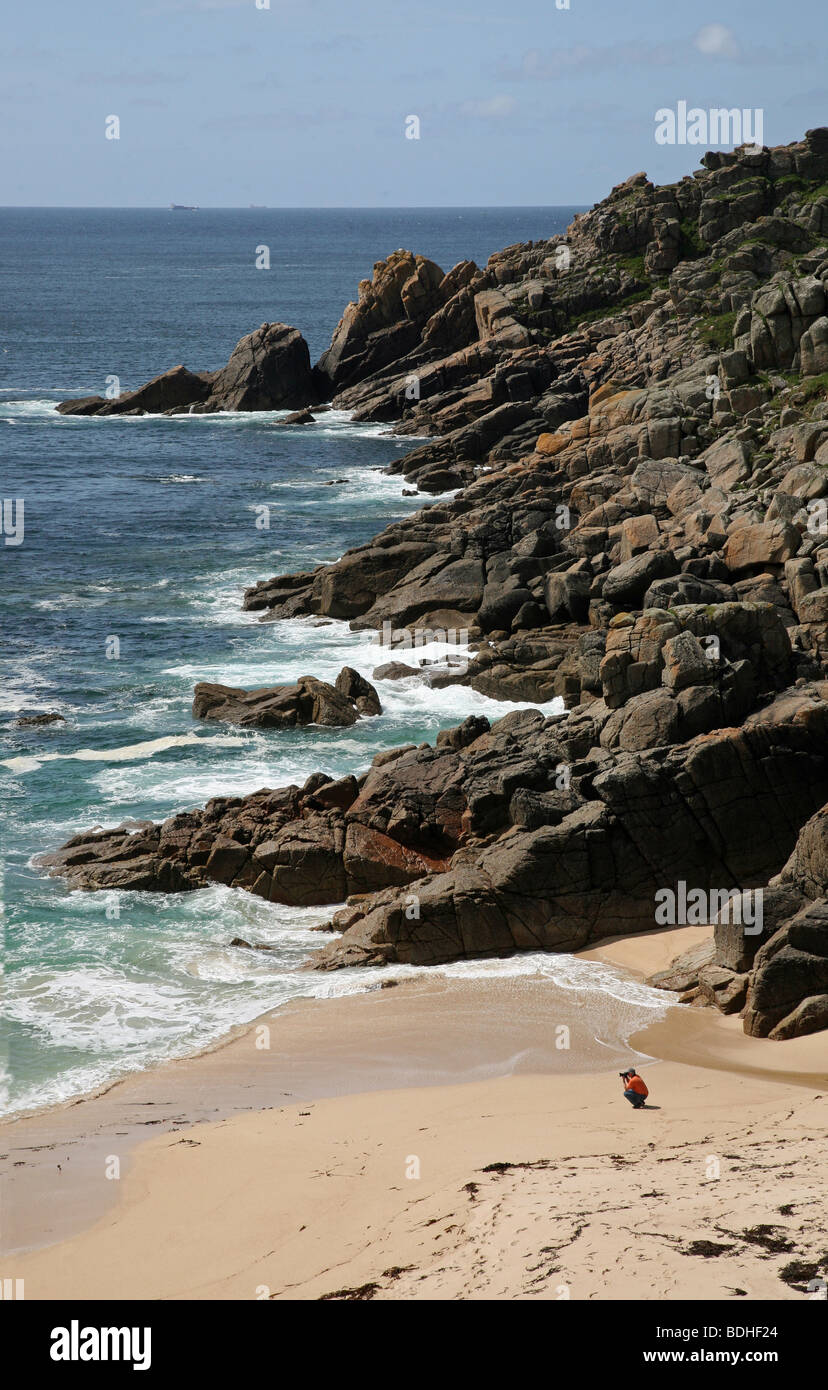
x=634, y=1083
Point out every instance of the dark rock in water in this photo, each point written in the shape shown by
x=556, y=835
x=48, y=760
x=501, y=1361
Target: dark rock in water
x=309, y=701
x=299, y=417
x=83, y=405
x=395, y=671
x=272, y=707
x=358, y=691
x=173, y=390
x=33, y=721
x=268, y=369
x=293, y=846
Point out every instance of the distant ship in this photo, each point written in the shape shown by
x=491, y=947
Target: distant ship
x=182, y=207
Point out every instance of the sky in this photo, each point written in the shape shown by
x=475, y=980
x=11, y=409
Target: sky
x=306, y=103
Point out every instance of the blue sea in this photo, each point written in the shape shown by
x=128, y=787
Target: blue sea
x=144, y=530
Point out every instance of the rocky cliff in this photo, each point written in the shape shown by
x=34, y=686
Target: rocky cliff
x=636, y=418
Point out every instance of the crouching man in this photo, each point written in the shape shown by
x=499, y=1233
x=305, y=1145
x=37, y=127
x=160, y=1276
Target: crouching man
x=634, y=1088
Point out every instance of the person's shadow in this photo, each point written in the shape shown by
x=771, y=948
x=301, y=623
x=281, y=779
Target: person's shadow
x=649, y=1107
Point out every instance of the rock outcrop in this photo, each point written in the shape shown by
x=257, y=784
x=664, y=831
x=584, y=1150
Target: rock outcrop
x=525, y=835
x=632, y=422
x=268, y=370
x=309, y=701
x=772, y=968
x=386, y=321
x=36, y=721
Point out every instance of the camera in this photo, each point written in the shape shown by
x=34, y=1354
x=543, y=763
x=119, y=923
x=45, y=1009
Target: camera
x=623, y=1075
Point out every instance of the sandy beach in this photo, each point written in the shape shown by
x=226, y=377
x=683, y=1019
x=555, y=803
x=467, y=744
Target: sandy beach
x=424, y=1142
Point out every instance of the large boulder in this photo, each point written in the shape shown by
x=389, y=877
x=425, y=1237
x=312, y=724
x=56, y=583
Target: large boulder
x=759, y=544
x=813, y=348
x=358, y=691
x=811, y=1016
x=173, y=390
x=349, y=587
x=567, y=595
x=770, y=945
x=627, y=583
x=648, y=720
x=309, y=701
x=268, y=369
x=727, y=462
x=807, y=867
x=738, y=937
x=685, y=663
x=789, y=969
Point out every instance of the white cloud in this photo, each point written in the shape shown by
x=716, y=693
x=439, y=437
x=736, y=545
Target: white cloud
x=492, y=107
x=716, y=41
x=215, y=6
x=712, y=41
x=584, y=57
